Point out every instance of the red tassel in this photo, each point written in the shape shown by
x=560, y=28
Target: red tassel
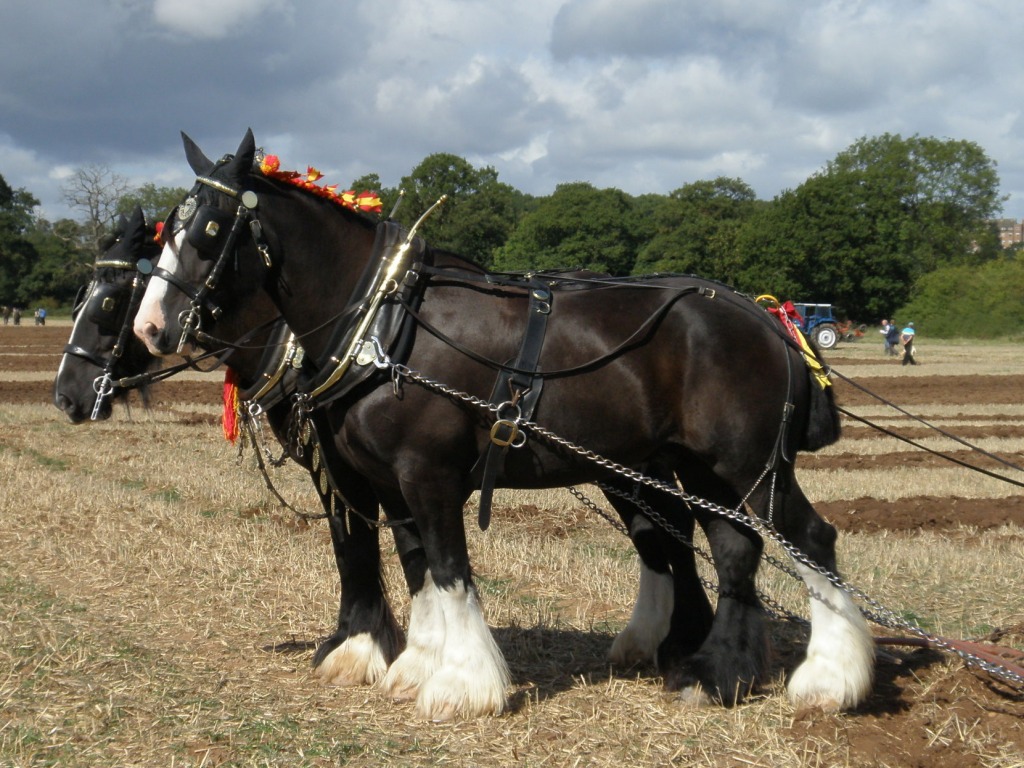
x=229, y=419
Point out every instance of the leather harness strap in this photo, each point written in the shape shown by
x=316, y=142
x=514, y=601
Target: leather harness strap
x=517, y=392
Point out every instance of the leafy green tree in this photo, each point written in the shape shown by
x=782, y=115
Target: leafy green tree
x=156, y=202
x=17, y=253
x=60, y=268
x=940, y=195
x=695, y=228
x=370, y=182
x=820, y=243
x=478, y=214
x=973, y=301
x=576, y=226
x=860, y=233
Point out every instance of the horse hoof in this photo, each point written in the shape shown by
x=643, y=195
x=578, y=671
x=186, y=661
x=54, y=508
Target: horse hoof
x=628, y=651
x=693, y=696
x=441, y=715
x=400, y=694
x=357, y=661
x=825, y=687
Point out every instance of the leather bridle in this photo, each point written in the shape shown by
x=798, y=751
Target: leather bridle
x=103, y=385
x=204, y=229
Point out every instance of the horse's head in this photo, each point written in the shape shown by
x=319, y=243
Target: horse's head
x=247, y=228
x=101, y=348
x=214, y=255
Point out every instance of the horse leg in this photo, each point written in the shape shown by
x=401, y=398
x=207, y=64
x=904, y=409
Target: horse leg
x=734, y=655
x=367, y=638
x=838, y=670
x=418, y=660
x=451, y=659
x=671, y=604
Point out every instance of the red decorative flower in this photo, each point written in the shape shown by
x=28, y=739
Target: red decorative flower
x=369, y=202
x=270, y=165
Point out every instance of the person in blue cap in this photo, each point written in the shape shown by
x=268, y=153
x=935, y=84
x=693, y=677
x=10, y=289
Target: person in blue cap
x=907, y=338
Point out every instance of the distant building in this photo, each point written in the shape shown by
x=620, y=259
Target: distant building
x=1011, y=232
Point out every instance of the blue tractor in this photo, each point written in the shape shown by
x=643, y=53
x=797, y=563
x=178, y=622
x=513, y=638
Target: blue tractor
x=818, y=322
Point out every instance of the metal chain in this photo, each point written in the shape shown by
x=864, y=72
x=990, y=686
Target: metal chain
x=878, y=614
x=253, y=433
x=256, y=417
x=774, y=608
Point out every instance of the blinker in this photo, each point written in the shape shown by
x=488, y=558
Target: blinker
x=80, y=297
x=208, y=230
x=103, y=307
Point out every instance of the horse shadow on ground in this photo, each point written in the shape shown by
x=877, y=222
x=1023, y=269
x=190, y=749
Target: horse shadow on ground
x=545, y=661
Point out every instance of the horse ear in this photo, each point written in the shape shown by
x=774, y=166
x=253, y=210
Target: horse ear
x=107, y=242
x=244, y=156
x=199, y=162
x=137, y=220
x=135, y=227
x=248, y=145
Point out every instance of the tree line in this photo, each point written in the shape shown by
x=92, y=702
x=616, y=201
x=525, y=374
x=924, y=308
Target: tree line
x=890, y=226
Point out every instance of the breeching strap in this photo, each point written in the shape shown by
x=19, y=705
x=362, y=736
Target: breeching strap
x=523, y=387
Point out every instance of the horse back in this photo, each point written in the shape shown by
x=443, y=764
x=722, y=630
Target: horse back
x=629, y=369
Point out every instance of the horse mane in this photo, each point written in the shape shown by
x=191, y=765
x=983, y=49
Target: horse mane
x=363, y=208
x=363, y=203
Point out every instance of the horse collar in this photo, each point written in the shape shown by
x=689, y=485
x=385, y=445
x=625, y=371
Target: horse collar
x=377, y=317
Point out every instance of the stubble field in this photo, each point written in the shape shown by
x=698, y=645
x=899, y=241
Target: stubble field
x=158, y=608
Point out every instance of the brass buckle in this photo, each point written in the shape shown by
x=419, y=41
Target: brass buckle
x=504, y=432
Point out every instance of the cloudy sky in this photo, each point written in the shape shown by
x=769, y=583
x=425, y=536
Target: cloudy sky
x=642, y=95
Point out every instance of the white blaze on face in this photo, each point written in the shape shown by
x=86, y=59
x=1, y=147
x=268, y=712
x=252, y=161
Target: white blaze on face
x=151, y=319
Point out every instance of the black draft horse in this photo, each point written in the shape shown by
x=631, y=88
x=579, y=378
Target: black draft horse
x=674, y=373
x=102, y=351
x=99, y=350
x=100, y=354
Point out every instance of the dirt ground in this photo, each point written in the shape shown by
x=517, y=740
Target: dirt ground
x=28, y=353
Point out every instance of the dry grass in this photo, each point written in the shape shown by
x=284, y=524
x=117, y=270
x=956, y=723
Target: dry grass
x=900, y=482
x=158, y=610
x=946, y=358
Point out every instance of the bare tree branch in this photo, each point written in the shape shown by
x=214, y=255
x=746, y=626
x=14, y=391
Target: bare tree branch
x=95, y=191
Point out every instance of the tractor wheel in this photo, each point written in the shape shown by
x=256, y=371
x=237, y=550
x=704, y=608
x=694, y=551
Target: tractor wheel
x=825, y=336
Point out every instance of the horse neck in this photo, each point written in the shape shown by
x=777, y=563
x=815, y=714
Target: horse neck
x=247, y=361
x=321, y=261
x=253, y=332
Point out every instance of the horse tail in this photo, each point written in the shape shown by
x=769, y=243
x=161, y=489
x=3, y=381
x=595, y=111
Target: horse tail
x=823, y=426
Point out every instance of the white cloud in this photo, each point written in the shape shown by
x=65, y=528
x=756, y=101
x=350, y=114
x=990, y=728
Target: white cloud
x=206, y=20
x=645, y=96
